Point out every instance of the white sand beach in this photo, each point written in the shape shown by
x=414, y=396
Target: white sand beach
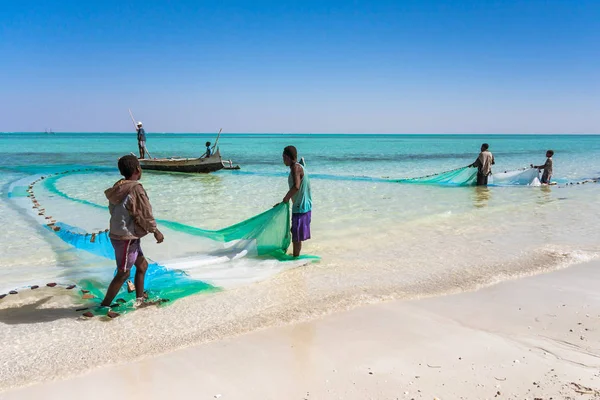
x=532, y=338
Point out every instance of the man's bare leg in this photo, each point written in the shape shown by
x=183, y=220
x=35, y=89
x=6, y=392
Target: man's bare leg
x=114, y=288
x=297, y=248
x=141, y=266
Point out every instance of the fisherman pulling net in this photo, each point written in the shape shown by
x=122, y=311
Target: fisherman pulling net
x=467, y=176
x=260, y=241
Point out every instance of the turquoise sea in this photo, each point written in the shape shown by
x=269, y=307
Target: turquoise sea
x=378, y=240
x=371, y=155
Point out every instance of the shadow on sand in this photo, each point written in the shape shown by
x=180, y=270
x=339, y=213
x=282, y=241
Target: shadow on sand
x=32, y=313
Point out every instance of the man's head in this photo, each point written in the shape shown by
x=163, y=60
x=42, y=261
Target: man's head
x=485, y=146
x=290, y=155
x=139, y=124
x=129, y=167
x=207, y=144
x=549, y=153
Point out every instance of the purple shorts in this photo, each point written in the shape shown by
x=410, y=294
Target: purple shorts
x=126, y=253
x=300, y=227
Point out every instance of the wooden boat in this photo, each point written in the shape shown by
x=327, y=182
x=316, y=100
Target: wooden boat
x=197, y=165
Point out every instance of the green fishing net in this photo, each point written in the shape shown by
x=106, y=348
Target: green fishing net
x=458, y=177
x=467, y=176
x=262, y=238
x=266, y=235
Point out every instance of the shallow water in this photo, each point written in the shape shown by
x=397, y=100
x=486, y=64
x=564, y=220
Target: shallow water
x=377, y=240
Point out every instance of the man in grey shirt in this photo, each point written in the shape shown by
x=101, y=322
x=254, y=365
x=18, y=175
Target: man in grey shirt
x=547, y=167
x=484, y=165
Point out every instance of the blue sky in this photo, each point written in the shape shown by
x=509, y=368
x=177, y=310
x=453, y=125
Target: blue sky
x=301, y=66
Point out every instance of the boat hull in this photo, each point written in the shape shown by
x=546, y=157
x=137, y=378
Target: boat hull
x=189, y=165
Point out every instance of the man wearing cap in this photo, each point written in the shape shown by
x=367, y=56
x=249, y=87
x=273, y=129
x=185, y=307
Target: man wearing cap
x=141, y=136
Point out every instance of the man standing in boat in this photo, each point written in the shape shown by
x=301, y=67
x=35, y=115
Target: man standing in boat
x=141, y=136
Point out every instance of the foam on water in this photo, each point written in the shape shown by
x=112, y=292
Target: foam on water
x=377, y=240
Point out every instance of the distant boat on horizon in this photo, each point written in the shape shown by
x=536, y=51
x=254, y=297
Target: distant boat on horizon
x=49, y=132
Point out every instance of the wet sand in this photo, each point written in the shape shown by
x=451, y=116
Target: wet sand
x=534, y=338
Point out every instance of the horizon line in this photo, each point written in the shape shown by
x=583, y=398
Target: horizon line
x=301, y=133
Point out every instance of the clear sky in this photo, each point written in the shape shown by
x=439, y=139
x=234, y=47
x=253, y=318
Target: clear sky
x=378, y=66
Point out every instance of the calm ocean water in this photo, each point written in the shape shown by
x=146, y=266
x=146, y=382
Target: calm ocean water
x=377, y=240
x=372, y=155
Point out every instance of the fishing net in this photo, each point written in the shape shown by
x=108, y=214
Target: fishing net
x=163, y=285
x=467, y=176
x=266, y=234
x=94, y=243
x=458, y=177
x=163, y=282
x=523, y=177
x=264, y=237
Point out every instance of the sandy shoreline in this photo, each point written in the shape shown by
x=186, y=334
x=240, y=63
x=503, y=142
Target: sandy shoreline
x=536, y=337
